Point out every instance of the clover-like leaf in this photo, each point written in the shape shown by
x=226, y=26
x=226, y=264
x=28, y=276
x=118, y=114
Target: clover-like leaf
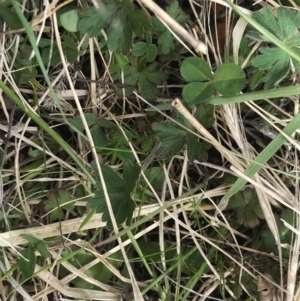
x=37, y=244
x=267, y=19
x=197, y=71
x=77, y=122
x=119, y=33
x=10, y=17
x=69, y=19
x=229, y=79
x=194, y=69
x=197, y=92
x=139, y=48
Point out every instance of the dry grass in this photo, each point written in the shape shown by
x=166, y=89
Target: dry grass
x=175, y=205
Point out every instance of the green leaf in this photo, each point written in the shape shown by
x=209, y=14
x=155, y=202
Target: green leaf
x=69, y=20
x=294, y=41
x=42, y=248
x=78, y=124
x=247, y=207
x=152, y=74
x=166, y=41
x=176, y=13
x=172, y=139
x=274, y=60
x=131, y=173
x=205, y=115
x=165, y=38
x=92, y=20
x=148, y=38
x=31, y=239
x=267, y=19
x=156, y=177
x=277, y=61
x=255, y=80
x=137, y=19
x=197, y=92
x=197, y=150
x=54, y=58
x=288, y=216
x=119, y=33
x=146, y=76
x=27, y=262
x=57, y=201
x=70, y=49
x=9, y=16
x=148, y=80
x=151, y=53
x=113, y=182
x=121, y=203
x=139, y=48
x=195, y=69
x=99, y=137
x=229, y=79
x=288, y=21
x=121, y=59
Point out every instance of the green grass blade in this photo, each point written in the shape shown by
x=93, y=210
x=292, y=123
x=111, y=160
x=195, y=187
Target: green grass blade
x=265, y=155
x=251, y=96
x=43, y=125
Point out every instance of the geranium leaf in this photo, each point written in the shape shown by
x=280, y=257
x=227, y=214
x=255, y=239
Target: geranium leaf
x=137, y=19
x=197, y=150
x=247, y=207
x=277, y=61
x=92, y=20
x=113, y=182
x=119, y=33
x=205, y=115
x=121, y=203
x=90, y=119
x=172, y=139
x=165, y=38
x=131, y=173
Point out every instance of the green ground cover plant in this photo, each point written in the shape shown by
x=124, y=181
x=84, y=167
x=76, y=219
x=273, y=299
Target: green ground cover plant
x=149, y=150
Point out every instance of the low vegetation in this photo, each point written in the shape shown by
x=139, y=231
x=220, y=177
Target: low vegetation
x=149, y=150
